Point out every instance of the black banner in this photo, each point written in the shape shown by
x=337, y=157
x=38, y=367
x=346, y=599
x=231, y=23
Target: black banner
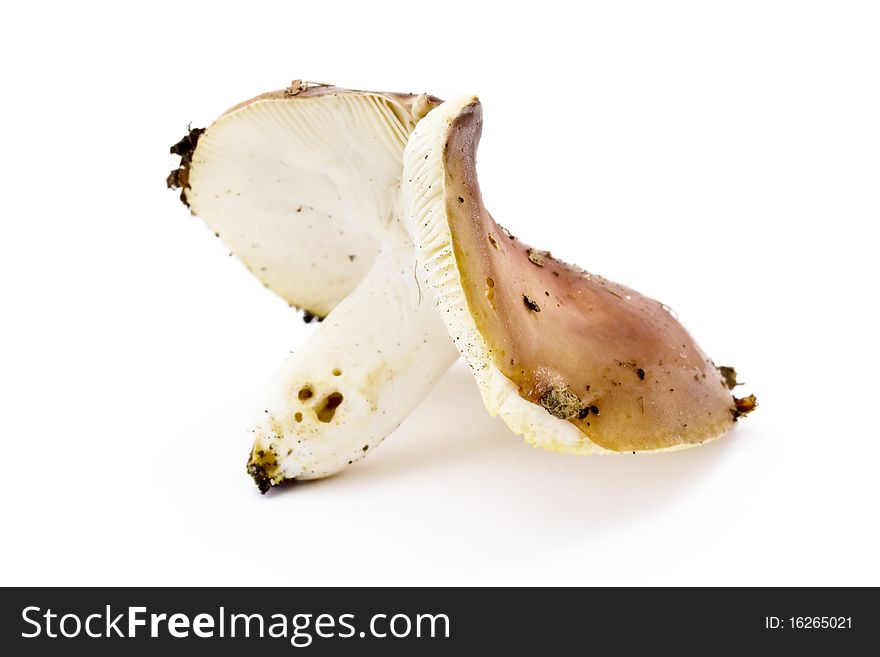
x=433, y=621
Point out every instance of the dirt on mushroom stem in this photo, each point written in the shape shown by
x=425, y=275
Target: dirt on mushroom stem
x=262, y=466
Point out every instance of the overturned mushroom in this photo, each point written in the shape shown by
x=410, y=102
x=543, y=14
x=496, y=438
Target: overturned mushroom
x=308, y=187
x=571, y=361
x=302, y=185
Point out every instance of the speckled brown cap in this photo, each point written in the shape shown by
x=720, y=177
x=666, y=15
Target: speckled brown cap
x=572, y=361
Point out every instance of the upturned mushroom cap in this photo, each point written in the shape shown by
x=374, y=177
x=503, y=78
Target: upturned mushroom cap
x=570, y=360
x=300, y=183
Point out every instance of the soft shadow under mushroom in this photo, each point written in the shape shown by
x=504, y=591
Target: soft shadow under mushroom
x=521, y=487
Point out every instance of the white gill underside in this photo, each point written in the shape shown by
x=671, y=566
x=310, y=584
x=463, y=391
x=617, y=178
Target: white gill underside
x=300, y=189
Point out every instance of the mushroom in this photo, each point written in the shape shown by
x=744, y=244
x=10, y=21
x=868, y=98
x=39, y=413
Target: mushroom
x=303, y=186
x=569, y=360
x=349, y=204
x=300, y=184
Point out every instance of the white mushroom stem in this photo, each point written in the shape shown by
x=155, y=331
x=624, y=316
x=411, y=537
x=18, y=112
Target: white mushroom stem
x=371, y=361
x=302, y=185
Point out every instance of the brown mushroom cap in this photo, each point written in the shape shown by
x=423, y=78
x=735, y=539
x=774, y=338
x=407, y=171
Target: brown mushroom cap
x=613, y=363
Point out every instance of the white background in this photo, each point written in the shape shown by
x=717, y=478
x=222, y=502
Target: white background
x=723, y=158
